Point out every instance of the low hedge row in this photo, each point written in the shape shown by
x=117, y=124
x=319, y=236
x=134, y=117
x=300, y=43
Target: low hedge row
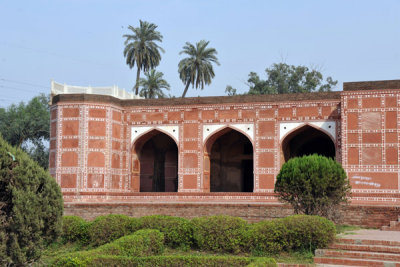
x=211, y=233
x=145, y=242
x=194, y=261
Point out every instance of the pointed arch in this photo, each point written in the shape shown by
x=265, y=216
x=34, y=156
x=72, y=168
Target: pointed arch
x=228, y=161
x=154, y=162
x=307, y=139
x=313, y=125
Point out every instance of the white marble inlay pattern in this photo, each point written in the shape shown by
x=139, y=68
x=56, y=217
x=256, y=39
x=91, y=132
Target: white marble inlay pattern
x=137, y=131
x=329, y=127
x=210, y=129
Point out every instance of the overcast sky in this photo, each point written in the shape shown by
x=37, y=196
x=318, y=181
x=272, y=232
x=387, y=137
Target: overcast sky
x=80, y=42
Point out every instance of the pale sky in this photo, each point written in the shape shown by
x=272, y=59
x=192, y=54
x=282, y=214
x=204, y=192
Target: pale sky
x=80, y=42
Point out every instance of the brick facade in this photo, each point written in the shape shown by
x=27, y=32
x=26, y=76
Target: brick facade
x=97, y=143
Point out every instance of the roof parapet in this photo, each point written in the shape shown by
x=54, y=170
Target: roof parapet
x=114, y=91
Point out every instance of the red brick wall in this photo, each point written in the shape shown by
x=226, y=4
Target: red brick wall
x=364, y=215
x=94, y=151
x=370, y=139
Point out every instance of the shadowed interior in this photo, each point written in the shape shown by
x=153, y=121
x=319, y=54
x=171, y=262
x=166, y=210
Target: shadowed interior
x=159, y=164
x=307, y=141
x=231, y=163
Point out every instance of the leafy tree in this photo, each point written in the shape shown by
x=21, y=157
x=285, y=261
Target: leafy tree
x=27, y=126
x=153, y=84
x=197, y=68
x=230, y=90
x=141, y=48
x=31, y=207
x=313, y=185
x=283, y=79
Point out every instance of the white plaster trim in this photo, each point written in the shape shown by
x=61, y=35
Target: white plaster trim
x=328, y=126
x=210, y=129
x=137, y=131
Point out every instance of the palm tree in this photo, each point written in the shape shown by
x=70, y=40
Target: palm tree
x=141, y=48
x=197, y=69
x=153, y=84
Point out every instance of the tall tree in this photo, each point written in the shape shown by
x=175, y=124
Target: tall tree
x=27, y=126
x=283, y=78
x=153, y=84
x=141, y=48
x=197, y=68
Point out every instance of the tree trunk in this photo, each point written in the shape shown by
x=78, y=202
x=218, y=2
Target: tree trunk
x=137, y=80
x=186, y=88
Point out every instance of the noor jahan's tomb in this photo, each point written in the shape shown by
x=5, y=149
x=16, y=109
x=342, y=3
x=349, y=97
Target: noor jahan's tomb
x=111, y=153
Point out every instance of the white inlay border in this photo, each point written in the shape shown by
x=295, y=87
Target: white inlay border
x=210, y=129
x=137, y=131
x=329, y=127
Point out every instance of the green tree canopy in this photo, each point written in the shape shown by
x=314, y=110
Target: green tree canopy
x=313, y=185
x=27, y=126
x=141, y=48
x=153, y=84
x=197, y=68
x=284, y=79
x=31, y=207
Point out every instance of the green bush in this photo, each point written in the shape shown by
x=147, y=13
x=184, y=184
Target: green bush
x=164, y=261
x=75, y=229
x=308, y=232
x=31, y=207
x=105, y=229
x=219, y=233
x=146, y=242
x=293, y=233
x=178, y=231
x=313, y=185
x=267, y=237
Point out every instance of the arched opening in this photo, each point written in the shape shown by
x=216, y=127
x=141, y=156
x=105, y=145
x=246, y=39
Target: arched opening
x=307, y=141
x=230, y=162
x=157, y=156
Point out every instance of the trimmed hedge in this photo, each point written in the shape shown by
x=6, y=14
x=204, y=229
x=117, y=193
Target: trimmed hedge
x=267, y=237
x=212, y=233
x=194, y=261
x=293, y=233
x=306, y=232
x=146, y=242
x=219, y=233
x=75, y=229
x=105, y=229
x=178, y=231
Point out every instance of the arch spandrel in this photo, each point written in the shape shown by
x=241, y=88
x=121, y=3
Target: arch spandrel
x=139, y=131
x=245, y=128
x=328, y=127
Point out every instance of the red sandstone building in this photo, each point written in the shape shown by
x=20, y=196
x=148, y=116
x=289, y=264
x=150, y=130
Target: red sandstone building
x=209, y=155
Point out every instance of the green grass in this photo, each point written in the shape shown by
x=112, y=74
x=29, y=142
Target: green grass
x=346, y=229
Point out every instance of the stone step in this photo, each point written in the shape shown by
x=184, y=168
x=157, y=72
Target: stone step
x=367, y=242
x=369, y=248
x=353, y=262
x=393, y=226
x=357, y=255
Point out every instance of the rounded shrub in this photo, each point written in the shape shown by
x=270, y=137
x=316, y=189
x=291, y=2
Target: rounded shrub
x=306, y=232
x=178, y=231
x=75, y=229
x=31, y=207
x=267, y=237
x=313, y=185
x=145, y=242
x=107, y=228
x=219, y=233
